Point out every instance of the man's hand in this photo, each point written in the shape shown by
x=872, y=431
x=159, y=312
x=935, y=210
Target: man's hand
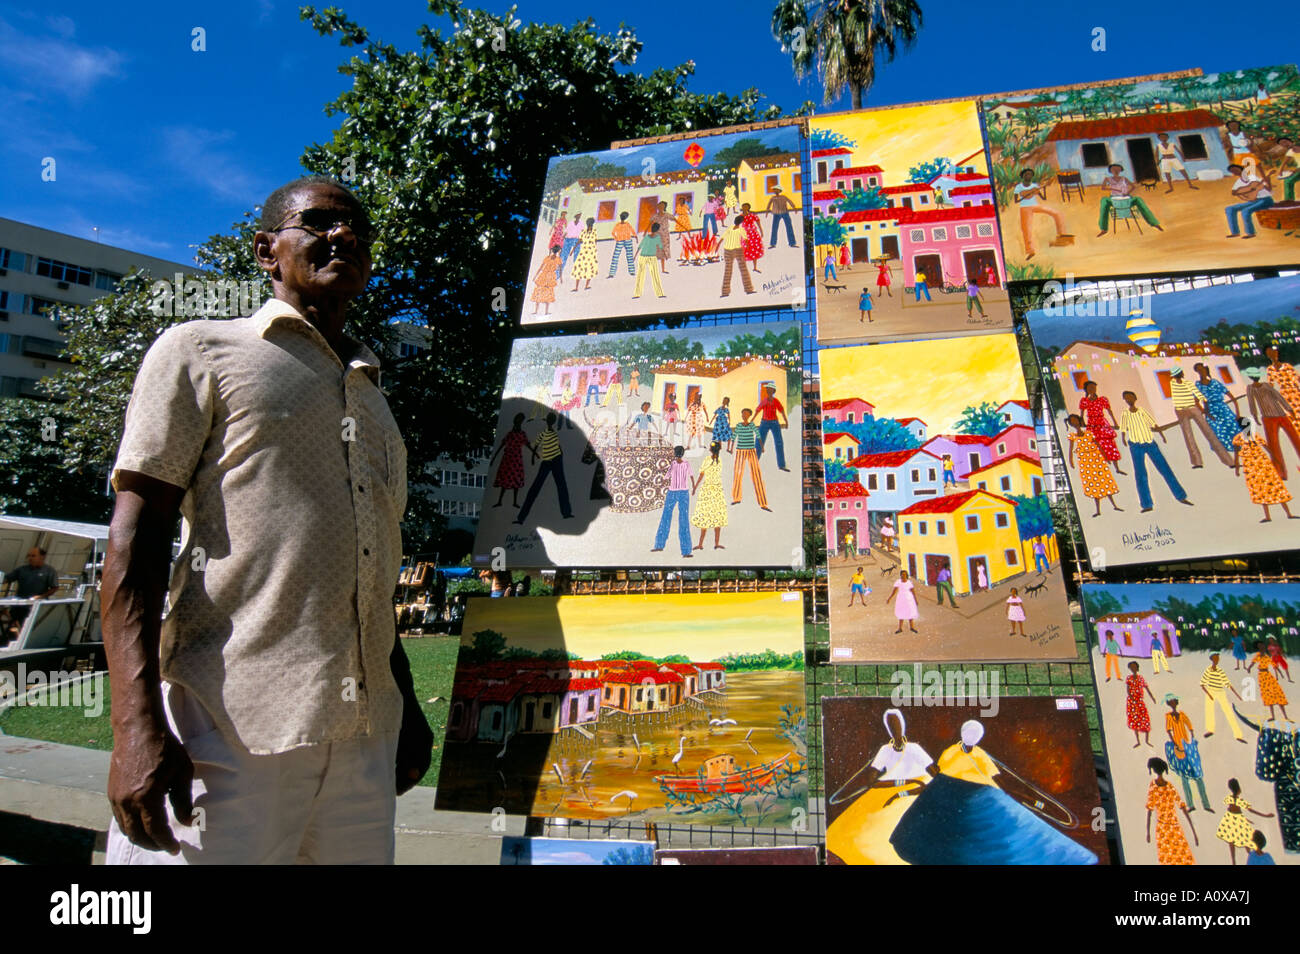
x=148, y=766
x=414, y=746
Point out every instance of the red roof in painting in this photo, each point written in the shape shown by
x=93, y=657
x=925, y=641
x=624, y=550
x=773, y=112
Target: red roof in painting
x=910, y=187
x=1007, y=430
x=968, y=176
x=1147, y=124
x=503, y=692
x=837, y=151
x=644, y=664
x=871, y=215
x=468, y=688
x=835, y=435
x=853, y=171
x=827, y=195
x=911, y=217
x=845, y=488
x=838, y=403
x=908, y=420
x=888, y=458
x=709, y=665
x=970, y=190
x=950, y=503
x=960, y=439
x=639, y=676
x=683, y=668
x=1024, y=404
x=997, y=463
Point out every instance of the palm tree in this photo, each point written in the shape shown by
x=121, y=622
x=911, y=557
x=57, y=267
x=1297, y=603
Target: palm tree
x=844, y=39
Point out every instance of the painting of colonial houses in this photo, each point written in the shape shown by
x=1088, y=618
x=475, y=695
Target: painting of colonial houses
x=910, y=222
x=585, y=470
x=672, y=199
x=958, y=557
x=686, y=708
x=839, y=446
x=1155, y=175
x=845, y=411
x=1187, y=399
x=1135, y=631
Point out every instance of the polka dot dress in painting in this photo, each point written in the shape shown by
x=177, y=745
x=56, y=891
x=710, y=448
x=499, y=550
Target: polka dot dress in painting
x=1139, y=719
x=1095, y=476
x=1262, y=481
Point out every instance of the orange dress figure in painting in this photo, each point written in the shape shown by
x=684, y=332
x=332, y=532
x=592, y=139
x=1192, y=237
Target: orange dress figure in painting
x=1094, y=475
x=545, y=280
x=1270, y=690
x=1250, y=455
x=1163, y=799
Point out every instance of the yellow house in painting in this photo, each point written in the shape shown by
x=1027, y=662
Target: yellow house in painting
x=1017, y=474
x=740, y=379
x=759, y=179
x=973, y=534
x=606, y=199
x=840, y=446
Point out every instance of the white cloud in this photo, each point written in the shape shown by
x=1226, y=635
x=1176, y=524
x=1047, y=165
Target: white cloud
x=55, y=63
x=202, y=154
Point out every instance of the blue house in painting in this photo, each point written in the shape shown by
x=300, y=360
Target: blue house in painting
x=897, y=479
x=1089, y=146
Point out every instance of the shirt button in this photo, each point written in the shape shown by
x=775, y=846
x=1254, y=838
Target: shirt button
x=361, y=488
x=366, y=551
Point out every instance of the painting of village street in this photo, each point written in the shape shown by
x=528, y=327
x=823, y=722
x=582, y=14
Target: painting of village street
x=686, y=709
x=904, y=225
x=702, y=224
x=953, y=784
x=939, y=538
x=1197, y=711
x=1163, y=175
x=648, y=449
x=1179, y=416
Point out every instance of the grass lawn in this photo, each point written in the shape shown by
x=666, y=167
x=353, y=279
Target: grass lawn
x=433, y=667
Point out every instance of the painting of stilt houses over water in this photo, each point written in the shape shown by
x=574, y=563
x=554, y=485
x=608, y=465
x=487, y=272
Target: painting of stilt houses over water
x=687, y=709
x=905, y=227
x=644, y=230
x=648, y=449
x=952, y=783
x=1161, y=175
x=938, y=530
x=1178, y=412
x=1196, y=699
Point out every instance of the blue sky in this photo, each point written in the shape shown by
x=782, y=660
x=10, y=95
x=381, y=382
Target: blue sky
x=1140, y=596
x=1181, y=315
x=160, y=146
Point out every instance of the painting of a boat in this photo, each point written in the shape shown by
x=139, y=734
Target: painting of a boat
x=718, y=775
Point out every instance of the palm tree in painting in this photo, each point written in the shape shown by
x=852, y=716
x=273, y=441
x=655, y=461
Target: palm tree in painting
x=844, y=39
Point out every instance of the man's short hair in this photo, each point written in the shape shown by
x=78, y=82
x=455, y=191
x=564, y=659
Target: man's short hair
x=276, y=207
x=1235, y=166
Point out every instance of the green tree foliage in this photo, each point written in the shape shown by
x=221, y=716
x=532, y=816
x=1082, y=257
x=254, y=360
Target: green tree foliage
x=859, y=199
x=1101, y=602
x=1278, y=331
x=828, y=231
x=982, y=419
x=845, y=40
x=36, y=481
x=837, y=472
x=1033, y=516
x=830, y=139
x=925, y=171
x=767, y=659
x=750, y=147
x=878, y=435
x=486, y=645
x=569, y=170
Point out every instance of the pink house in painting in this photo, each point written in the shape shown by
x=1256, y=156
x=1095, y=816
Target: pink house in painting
x=846, y=512
x=826, y=201
x=969, y=451
x=968, y=195
x=845, y=411
x=915, y=195
x=949, y=244
x=857, y=177
x=1017, y=439
x=827, y=161
x=583, y=375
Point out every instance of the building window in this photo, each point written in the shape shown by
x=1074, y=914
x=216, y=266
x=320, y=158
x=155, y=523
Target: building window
x=798, y=182
x=830, y=506
x=1011, y=556
x=930, y=472
x=11, y=259
x=848, y=418
x=984, y=229
x=907, y=526
x=1079, y=378
x=941, y=528
x=107, y=281
x=857, y=183
x=1001, y=519
x=1005, y=483
x=744, y=184
x=940, y=234
x=871, y=482
x=1095, y=155
x=64, y=272
x=973, y=523
x=821, y=171
x=889, y=482
x=916, y=476
x=1193, y=146
x=771, y=184
x=917, y=235
x=857, y=505
x=1225, y=373
x=844, y=505
x=1033, y=445
x=605, y=211
x=963, y=231
x=1037, y=485
x=921, y=527
x=546, y=710
x=982, y=485
x=1002, y=449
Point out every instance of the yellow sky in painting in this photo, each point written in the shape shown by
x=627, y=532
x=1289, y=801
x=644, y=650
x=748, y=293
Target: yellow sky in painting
x=897, y=139
x=932, y=380
x=703, y=627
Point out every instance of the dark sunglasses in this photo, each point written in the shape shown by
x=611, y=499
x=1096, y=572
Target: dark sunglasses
x=321, y=222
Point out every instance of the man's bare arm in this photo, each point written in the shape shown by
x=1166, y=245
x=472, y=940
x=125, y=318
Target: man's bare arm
x=148, y=760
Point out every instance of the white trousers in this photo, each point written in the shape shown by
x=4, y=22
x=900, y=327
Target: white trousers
x=332, y=803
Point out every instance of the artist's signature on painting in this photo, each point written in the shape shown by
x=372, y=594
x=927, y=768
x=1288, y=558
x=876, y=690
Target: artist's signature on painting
x=780, y=286
x=1151, y=538
x=982, y=320
x=1048, y=634
x=515, y=542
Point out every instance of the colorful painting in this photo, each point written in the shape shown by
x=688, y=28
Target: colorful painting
x=938, y=533
x=782, y=855
x=1197, y=172
x=648, y=449
x=949, y=784
x=905, y=226
x=682, y=709
x=1178, y=414
x=714, y=222
x=574, y=851
x=1193, y=685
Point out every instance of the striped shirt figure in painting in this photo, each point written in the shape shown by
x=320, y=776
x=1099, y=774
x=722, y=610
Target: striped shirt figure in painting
x=1139, y=431
x=548, y=451
x=1188, y=408
x=1216, y=685
x=747, y=459
x=677, y=497
x=733, y=253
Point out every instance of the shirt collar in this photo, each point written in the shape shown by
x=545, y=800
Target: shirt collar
x=275, y=312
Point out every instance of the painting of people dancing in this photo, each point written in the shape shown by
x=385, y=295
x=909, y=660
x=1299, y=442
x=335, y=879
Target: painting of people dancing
x=939, y=537
x=904, y=225
x=953, y=784
x=1193, y=686
x=648, y=449
x=663, y=708
x=1161, y=175
x=701, y=224
x=1179, y=416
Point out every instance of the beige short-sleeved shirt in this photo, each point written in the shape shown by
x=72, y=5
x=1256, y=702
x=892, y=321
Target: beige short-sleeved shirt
x=295, y=478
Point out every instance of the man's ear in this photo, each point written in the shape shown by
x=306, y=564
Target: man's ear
x=264, y=252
